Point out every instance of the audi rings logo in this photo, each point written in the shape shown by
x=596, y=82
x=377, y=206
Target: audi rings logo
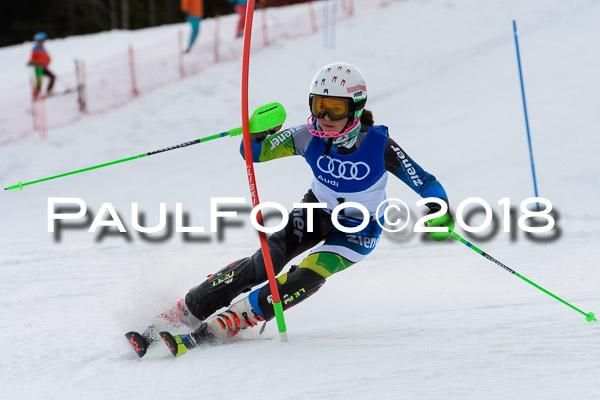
x=347, y=170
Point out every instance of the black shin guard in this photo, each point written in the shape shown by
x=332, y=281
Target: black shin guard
x=220, y=289
x=295, y=286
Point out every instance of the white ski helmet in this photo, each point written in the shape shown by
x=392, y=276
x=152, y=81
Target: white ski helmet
x=340, y=80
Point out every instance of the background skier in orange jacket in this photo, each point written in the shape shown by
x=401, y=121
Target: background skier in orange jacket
x=40, y=61
x=194, y=11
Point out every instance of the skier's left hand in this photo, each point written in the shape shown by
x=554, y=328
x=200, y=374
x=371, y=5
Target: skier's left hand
x=260, y=136
x=445, y=220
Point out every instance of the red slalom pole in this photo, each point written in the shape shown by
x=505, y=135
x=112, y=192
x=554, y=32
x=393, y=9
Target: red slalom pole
x=251, y=178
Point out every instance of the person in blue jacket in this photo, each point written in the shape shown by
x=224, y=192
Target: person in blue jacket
x=350, y=158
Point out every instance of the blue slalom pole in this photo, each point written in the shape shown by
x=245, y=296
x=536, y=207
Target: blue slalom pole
x=525, y=110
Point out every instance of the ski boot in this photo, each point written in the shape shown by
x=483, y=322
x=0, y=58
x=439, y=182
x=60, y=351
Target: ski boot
x=216, y=330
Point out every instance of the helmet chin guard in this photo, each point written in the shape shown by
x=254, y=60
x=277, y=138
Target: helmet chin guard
x=314, y=129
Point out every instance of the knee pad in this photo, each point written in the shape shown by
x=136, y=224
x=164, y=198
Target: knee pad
x=220, y=289
x=295, y=286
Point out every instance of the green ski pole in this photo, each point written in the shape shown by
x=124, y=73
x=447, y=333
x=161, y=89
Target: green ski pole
x=588, y=317
x=263, y=118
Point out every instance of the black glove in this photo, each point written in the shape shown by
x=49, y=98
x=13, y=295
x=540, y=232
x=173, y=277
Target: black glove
x=260, y=136
x=445, y=220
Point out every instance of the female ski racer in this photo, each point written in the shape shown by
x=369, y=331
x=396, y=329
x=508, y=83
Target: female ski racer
x=350, y=158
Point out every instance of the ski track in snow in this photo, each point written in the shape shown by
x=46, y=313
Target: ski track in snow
x=415, y=320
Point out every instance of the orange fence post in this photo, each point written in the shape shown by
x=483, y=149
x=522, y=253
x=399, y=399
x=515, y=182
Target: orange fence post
x=134, y=89
x=216, y=42
x=264, y=23
x=180, y=47
x=311, y=13
x=33, y=105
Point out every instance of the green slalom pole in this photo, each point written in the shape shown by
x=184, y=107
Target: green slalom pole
x=262, y=119
x=589, y=316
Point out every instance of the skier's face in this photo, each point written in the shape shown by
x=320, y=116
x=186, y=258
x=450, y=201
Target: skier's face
x=328, y=125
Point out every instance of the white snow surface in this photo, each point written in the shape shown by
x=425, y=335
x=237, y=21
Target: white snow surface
x=415, y=320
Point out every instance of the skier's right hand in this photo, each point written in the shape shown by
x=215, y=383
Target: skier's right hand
x=260, y=136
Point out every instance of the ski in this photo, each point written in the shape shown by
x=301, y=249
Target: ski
x=140, y=342
x=178, y=344
x=175, y=317
x=137, y=342
x=61, y=93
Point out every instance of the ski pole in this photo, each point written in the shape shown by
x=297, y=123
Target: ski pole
x=263, y=118
x=589, y=316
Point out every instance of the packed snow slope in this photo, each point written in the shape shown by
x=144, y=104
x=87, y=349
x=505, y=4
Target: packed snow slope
x=416, y=319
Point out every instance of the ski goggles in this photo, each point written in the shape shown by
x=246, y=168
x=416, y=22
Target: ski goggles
x=335, y=107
